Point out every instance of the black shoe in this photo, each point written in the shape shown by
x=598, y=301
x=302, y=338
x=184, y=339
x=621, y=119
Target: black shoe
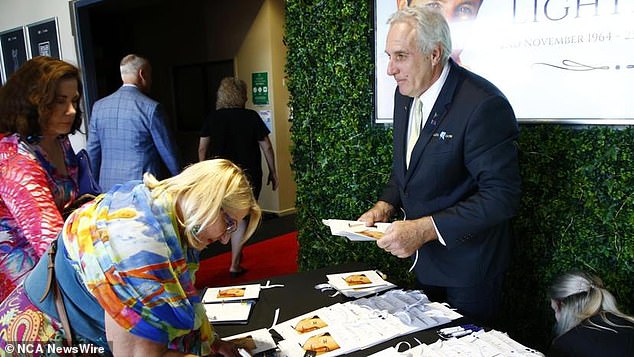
x=235, y=274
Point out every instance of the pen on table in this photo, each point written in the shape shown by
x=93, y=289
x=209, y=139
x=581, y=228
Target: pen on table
x=450, y=330
x=461, y=333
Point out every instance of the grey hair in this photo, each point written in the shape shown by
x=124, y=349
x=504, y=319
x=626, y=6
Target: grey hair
x=431, y=28
x=580, y=296
x=131, y=64
x=409, y=2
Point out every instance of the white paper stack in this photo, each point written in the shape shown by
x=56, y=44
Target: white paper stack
x=356, y=230
x=230, y=304
x=359, y=283
x=235, y=312
x=359, y=324
x=482, y=343
x=254, y=341
x=232, y=293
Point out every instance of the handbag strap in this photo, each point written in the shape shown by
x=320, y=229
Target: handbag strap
x=63, y=316
x=51, y=282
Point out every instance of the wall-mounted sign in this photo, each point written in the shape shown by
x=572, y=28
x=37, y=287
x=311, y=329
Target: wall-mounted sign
x=13, y=48
x=556, y=61
x=260, y=85
x=267, y=118
x=44, y=39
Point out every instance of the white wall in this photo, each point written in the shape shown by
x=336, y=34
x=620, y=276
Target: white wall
x=18, y=13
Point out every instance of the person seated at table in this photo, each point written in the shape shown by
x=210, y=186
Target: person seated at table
x=310, y=324
x=588, y=320
x=320, y=344
x=125, y=266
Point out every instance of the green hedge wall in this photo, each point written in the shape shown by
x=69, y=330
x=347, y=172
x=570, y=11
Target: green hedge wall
x=578, y=185
x=577, y=213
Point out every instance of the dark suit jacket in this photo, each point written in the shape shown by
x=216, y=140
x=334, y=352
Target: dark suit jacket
x=588, y=340
x=463, y=172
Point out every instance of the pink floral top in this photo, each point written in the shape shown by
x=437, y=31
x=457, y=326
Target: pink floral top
x=32, y=195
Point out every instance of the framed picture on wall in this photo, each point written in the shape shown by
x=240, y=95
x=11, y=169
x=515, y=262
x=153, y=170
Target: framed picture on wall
x=556, y=61
x=44, y=38
x=13, y=48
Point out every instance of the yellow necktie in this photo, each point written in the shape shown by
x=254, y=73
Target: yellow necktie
x=415, y=128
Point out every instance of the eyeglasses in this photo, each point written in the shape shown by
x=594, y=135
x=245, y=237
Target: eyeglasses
x=232, y=224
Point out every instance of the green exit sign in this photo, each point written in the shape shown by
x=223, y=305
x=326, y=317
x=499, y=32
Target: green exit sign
x=260, y=85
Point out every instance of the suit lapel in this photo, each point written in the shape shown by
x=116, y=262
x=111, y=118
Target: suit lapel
x=402, y=107
x=436, y=116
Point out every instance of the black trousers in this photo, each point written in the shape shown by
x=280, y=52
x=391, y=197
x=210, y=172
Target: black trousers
x=480, y=302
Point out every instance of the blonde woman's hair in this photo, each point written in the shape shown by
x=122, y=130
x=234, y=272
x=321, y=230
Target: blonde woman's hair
x=580, y=296
x=202, y=191
x=232, y=93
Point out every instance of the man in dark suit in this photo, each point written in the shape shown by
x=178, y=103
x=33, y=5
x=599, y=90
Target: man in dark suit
x=455, y=173
x=128, y=133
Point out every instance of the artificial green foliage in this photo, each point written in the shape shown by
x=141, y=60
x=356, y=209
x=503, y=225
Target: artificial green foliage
x=577, y=213
x=577, y=208
x=340, y=161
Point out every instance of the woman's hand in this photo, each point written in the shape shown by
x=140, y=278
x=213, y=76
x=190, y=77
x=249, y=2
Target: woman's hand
x=224, y=348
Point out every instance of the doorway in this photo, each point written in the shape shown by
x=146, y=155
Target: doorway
x=191, y=46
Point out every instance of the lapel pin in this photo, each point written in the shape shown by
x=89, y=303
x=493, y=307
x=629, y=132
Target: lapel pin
x=443, y=135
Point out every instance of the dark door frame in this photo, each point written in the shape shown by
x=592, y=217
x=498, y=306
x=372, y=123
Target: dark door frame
x=81, y=28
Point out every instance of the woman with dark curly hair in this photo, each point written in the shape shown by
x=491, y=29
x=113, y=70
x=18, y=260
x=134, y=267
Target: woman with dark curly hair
x=39, y=107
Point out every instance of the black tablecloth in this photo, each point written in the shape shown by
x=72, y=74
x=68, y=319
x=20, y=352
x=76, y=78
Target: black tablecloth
x=299, y=296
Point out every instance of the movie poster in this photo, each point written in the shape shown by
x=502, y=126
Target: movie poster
x=556, y=60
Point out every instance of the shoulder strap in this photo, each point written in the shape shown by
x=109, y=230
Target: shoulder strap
x=51, y=282
x=63, y=317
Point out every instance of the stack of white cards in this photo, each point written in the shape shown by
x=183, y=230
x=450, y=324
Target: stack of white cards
x=355, y=325
x=232, y=293
x=359, y=283
x=356, y=230
x=255, y=341
x=481, y=343
x=230, y=304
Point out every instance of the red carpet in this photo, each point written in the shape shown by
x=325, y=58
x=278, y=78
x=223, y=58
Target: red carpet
x=271, y=257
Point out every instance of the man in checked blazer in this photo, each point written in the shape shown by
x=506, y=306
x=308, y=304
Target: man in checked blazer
x=128, y=133
x=459, y=185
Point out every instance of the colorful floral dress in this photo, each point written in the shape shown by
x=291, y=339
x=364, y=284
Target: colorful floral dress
x=122, y=255
x=32, y=195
